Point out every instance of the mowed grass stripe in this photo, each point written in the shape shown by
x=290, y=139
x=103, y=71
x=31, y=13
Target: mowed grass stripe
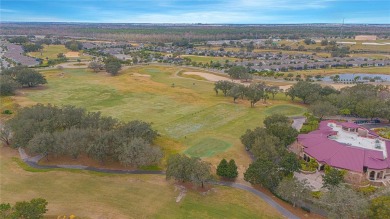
x=207, y=147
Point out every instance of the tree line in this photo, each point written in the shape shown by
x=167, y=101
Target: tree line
x=19, y=76
x=254, y=92
x=362, y=100
x=67, y=130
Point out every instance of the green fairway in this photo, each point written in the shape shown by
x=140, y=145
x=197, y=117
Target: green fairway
x=90, y=195
x=187, y=112
x=207, y=147
x=207, y=59
x=285, y=109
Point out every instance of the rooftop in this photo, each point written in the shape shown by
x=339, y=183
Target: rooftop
x=352, y=139
x=338, y=148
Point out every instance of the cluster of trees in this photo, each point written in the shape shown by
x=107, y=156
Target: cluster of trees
x=188, y=169
x=112, y=65
x=340, y=52
x=254, y=92
x=19, y=76
x=74, y=45
x=239, y=72
x=96, y=66
x=309, y=41
x=67, y=130
x=268, y=145
x=363, y=100
x=227, y=170
x=34, y=209
x=32, y=47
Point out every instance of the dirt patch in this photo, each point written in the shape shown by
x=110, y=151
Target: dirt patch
x=208, y=76
x=182, y=193
x=140, y=75
x=72, y=54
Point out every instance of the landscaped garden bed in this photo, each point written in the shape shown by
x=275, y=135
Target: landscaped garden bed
x=383, y=132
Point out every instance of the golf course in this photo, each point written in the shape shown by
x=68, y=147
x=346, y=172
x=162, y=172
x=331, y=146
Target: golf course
x=189, y=117
x=186, y=112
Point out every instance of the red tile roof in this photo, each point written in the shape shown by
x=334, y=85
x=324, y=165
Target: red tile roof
x=336, y=154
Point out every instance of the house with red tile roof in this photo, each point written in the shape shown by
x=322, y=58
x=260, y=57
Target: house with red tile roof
x=347, y=146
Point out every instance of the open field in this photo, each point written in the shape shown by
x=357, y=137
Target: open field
x=121, y=196
x=187, y=115
x=50, y=51
x=207, y=59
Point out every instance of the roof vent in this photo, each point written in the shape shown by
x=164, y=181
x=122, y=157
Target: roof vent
x=378, y=144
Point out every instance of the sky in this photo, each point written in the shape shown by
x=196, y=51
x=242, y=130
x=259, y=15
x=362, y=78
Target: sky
x=197, y=11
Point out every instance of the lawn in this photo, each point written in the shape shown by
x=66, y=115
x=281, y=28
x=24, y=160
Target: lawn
x=207, y=59
x=91, y=195
x=187, y=115
x=207, y=147
x=50, y=51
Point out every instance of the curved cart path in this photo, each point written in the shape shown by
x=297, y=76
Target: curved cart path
x=33, y=162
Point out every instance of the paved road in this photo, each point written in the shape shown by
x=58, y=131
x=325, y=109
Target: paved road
x=33, y=162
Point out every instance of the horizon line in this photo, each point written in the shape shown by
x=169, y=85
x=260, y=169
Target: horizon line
x=195, y=23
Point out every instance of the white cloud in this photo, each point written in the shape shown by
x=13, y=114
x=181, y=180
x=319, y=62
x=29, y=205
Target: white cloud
x=3, y=10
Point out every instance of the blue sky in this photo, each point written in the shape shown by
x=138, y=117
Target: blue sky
x=197, y=11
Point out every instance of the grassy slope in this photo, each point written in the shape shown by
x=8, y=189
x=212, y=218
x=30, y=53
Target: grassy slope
x=92, y=195
x=187, y=113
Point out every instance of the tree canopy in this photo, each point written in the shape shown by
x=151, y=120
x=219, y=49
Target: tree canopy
x=186, y=169
x=34, y=209
x=24, y=76
x=67, y=130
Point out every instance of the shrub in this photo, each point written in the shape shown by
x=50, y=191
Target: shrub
x=7, y=112
x=316, y=194
x=367, y=190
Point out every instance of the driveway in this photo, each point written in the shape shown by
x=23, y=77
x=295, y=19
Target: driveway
x=298, y=122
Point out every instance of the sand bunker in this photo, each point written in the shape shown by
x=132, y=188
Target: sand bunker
x=140, y=75
x=72, y=55
x=208, y=76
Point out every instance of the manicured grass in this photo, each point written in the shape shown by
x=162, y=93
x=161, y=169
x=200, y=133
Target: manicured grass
x=183, y=114
x=50, y=51
x=89, y=195
x=207, y=59
x=285, y=109
x=207, y=147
